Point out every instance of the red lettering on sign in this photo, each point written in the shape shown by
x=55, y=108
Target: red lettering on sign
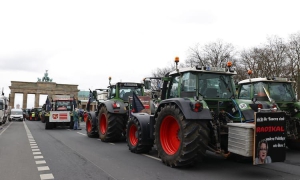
x=270, y=129
x=63, y=116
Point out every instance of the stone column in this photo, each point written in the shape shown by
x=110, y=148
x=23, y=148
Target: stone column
x=37, y=100
x=12, y=99
x=25, y=100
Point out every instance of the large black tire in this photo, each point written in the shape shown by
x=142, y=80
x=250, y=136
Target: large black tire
x=203, y=139
x=71, y=125
x=91, y=128
x=176, y=138
x=48, y=125
x=110, y=126
x=133, y=137
x=293, y=144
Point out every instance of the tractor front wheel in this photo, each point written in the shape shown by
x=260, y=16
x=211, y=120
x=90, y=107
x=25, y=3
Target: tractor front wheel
x=176, y=138
x=134, y=137
x=90, y=127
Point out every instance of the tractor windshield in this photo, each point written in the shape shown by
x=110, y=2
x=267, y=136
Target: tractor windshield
x=1, y=105
x=278, y=91
x=209, y=85
x=281, y=91
x=126, y=91
x=63, y=106
x=215, y=85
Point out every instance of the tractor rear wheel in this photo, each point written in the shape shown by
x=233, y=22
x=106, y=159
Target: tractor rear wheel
x=203, y=140
x=134, y=137
x=90, y=127
x=176, y=138
x=110, y=126
x=293, y=144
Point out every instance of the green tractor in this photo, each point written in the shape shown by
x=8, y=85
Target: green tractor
x=108, y=122
x=198, y=108
x=277, y=94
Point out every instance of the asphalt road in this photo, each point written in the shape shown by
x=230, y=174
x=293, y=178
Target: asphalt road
x=29, y=152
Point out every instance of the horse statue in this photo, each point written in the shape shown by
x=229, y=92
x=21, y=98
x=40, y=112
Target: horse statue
x=45, y=78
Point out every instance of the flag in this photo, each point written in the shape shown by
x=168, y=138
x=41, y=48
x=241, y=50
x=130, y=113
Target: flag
x=137, y=105
x=90, y=101
x=48, y=104
x=74, y=102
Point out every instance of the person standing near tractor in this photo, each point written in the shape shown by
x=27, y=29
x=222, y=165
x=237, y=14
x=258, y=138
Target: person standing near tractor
x=76, y=119
x=32, y=115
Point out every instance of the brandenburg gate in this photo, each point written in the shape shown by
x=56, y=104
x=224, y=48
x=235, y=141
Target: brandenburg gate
x=41, y=87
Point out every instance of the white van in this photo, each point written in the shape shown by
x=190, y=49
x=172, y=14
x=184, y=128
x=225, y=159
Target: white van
x=16, y=114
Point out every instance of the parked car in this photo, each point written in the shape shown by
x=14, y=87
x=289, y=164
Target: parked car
x=16, y=114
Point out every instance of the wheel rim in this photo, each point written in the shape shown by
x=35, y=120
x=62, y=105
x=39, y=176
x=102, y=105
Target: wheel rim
x=88, y=126
x=169, y=131
x=133, y=135
x=103, y=124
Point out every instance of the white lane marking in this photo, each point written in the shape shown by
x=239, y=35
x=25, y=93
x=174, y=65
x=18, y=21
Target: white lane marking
x=43, y=168
x=46, y=176
x=112, y=143
x=40, y=162
x=34, y=145
x=38, y=157
x=5, y=128
x=35, y=153
x=151, y=157
x=81, y=133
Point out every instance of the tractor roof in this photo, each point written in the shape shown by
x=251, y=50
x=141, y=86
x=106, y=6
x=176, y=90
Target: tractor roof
x=130, y=84
x=275, y=79
x=206, y=69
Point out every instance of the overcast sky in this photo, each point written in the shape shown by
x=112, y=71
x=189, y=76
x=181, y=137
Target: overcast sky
x=85, y=42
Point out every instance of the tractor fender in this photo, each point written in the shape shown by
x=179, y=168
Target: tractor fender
x=109, y=105
x=146, y=122
x=184, y=105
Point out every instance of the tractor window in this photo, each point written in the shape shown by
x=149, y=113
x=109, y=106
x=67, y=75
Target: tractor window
x=188, y=85
x=259, y=91
x=112, y=92
x=215, y=85
x=1, y=105
x=126, y=91
x=281, y=91
x=245, y=91
x=174, y=87
x=63, y=105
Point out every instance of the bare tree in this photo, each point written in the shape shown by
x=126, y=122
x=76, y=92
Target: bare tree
x=212, y=54
x=161, y=72
x=218, y=53
x=277, y=55
x=293, y=56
